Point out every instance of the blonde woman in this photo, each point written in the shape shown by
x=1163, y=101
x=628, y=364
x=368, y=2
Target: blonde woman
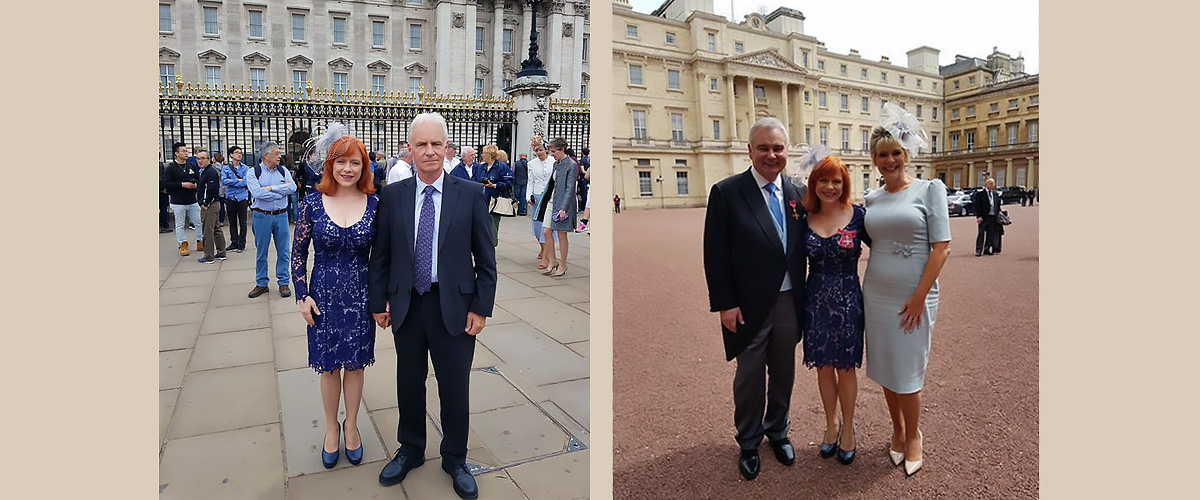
x=497, y=181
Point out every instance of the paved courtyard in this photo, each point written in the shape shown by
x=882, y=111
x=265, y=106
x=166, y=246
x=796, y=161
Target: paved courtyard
x=240, y=410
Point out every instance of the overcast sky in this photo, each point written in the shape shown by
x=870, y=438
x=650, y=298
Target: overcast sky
x=892, y=28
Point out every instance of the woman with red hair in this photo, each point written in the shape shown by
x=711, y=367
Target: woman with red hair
x=833, y=318
x=338, y=219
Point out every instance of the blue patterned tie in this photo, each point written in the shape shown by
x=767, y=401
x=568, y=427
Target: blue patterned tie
x=425, y=243
x=776, y=212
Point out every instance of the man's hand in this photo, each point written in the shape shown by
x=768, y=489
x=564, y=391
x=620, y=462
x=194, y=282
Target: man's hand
x=268, y=188
x=474, y=323
x=978, y=220
x=383, y=319
x=730, y=316
x=188, y=185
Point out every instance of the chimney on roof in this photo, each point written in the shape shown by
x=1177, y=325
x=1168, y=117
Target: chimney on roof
x=885, y=60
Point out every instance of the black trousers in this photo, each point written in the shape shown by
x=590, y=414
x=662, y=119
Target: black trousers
x=766, y=372
x=237, y=221
x=164, y=211
x=986, y=236
x=423, y=336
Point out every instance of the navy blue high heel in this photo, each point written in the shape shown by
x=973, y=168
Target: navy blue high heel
x=353, y=456
x=330, y=458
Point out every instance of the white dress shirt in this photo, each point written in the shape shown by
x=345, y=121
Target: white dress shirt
x=400, y=171
x=539, y=174
x=762, y=181
x=437, y=218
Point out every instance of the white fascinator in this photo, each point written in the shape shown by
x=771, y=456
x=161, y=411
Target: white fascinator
x=321, y=144
x=809, y=161
x=903, y=127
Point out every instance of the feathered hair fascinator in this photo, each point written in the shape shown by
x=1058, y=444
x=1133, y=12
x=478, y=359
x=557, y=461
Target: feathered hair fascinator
x=903, y=127
x=809, y=161
x=327, y=145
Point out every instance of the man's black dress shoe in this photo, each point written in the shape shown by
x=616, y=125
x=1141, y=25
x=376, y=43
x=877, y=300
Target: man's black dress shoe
x=464, y=482
x=748, y=464
x=395, y=470
x=784, y=452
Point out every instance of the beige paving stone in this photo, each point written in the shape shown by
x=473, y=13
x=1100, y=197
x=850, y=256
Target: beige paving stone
x=534, y=279
x=184, y=295
x=566, y=293
x=573, y=428
x=379, y=381
x=279, y=305
x=581, y=282
x=291, y=353
x=387, y=423
x=231, y=295
x=177, y=336
x=304, y=424
x=586, y=307
x=242, y=261
x=583, y=348
x=226, y=399
x=242, y=277
x=505, y=266
x=288, y=325
x=484, y=357
x=538, y=357
x=510, y=289
x=171, y=367
x=500, y=316
x=181, y=314
x=490, y=391
x=349, y=483
x=181, y=278
x=243, y=463
x=429, y=481
x=573, y=397
x=165, y=271
x=235, y=318
x=190, y=264
x=564, y=477
x=518, y=433
x=560, y=321
x=224, y=350
x=384, y=338
x=166, y=406
x=523, y=383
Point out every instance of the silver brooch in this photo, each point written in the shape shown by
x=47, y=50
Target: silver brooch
x=900, y=248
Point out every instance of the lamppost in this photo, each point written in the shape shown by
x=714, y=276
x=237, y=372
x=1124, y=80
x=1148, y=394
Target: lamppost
x=532, y=66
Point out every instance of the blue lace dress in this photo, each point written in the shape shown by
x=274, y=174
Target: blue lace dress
x=833, y=318
x=344, y=333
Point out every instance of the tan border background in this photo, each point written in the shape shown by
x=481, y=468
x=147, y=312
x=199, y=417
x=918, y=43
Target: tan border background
x=1118, y=341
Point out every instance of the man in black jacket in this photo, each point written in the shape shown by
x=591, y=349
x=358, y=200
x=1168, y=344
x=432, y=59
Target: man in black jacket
x=987, y=204
x=520, y=182
x=181, y=180
x=210, y=208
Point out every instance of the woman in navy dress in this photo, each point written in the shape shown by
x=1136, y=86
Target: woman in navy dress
x=833, y=317
x=338, y=219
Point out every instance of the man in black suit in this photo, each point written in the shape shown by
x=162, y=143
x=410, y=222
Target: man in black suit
x=987, y=204
x=754, y=262
x=433, y=259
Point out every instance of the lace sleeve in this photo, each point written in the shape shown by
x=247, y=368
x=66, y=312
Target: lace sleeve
x=300, y=241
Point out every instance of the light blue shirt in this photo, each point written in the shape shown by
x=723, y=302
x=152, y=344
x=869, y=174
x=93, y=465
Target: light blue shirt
x=437, y=218
x=762, y=181
x=281, y=184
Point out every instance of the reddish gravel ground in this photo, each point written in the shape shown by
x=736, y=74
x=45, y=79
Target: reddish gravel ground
x=673, y=407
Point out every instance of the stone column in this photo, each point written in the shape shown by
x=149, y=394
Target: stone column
x=498, y=48
x=971, y=179
x=991, y=172
x=787, y=119
x=749, y=105
x=553, y=40
x=731, y=112
x=445, y=68
x=1031, y=172
x=1008, y=173
x=531, y=101
x=576, y=67
x=800, y=113
x=468, y=65
x=526, y=22
x=705, y=133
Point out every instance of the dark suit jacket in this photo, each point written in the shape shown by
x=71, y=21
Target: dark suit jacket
x=466, y=258
x=744, y=261
x=982, y=203
x=460, y=171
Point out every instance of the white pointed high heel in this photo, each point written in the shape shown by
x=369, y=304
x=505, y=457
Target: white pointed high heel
x=896, y=456
x=911, y=467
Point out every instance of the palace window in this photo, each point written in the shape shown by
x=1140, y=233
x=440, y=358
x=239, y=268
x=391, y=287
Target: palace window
x=681, y=183
x=635, y=74
x=164, y=18
x=339, y=30
x=673, y=79
x=298, y=27
x=377, y=32
x=256, y=24
x=211, y=25
x=639, y=124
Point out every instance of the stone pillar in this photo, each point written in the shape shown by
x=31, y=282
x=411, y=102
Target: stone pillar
x=787, y=119
x=800, y=113
x=1008, y=173
x=468, y=65
x=991, y=172
x=731, y=112
x=498, y=48
x=526, y=22
x=1031, y=172
x=705, y=133
x=531, y=99
x=553, y=40
x=446, y=43
x=971, y=179
x=749, y=105
x=575, y=71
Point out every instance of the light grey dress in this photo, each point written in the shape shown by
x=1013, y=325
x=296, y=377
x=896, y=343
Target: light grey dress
x=566, y=177
x=902, y=225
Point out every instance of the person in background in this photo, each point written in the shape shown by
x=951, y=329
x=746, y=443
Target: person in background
x=270, y=183
x=181, y=180
x=585, y=163
x=520, y=182
x=218, y=161
x=403, y=167
x=559, y=209
x=451, y=158
x=496, y=178
x=210, y=209
x=164, y=202
x=540, y=170
x=237, y=198
x=617, y=203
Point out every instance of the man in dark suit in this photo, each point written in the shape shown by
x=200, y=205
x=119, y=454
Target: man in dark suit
x=467, y=170
x=987, y=204
x=433, y=260
x=754, y=262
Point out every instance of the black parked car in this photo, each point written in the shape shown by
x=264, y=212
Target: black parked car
x=1011, y=194
x=960, y=204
